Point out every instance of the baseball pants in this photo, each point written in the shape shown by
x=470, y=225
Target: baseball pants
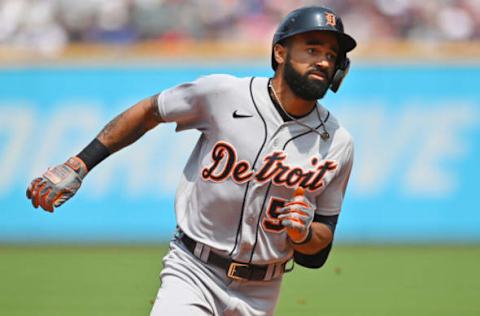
x=193, y=288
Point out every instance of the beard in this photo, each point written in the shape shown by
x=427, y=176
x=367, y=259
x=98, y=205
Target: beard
x=302, y=86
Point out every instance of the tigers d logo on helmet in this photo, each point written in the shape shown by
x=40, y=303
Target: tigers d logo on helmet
x=330, y=18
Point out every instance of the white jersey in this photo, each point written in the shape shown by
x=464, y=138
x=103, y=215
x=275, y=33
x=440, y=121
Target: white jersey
x=247, y=162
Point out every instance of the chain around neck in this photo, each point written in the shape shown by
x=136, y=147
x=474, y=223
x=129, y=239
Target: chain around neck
x=324, y=135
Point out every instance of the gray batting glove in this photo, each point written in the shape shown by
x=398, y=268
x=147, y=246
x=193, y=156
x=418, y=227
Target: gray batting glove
x=57, y=184
x=297, y=216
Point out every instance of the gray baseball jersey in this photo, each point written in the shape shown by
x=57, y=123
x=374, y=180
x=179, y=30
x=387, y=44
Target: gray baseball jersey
x=248, y=162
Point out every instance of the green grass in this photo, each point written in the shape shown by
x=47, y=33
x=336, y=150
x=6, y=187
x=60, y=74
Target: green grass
x=369, y=281
x=358, y=281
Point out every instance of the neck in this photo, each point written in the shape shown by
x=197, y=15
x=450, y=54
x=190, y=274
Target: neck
x=290, y=102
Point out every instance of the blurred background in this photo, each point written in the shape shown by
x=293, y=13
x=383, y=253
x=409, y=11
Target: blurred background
x=411, y=102
x=52, y=29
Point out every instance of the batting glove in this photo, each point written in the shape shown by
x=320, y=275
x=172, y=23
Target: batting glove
x=57, y=184
x=297, y=216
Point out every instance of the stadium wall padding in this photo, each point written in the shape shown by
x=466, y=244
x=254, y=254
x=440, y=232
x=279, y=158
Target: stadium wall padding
x=415, y=177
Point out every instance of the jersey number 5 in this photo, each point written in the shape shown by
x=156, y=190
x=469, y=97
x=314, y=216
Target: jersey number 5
x=271, y=222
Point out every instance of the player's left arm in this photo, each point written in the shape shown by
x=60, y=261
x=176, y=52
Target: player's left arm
x=311, y=229
x=310, y=234
x=305, y=230
x=321, y=237
x=318, y=259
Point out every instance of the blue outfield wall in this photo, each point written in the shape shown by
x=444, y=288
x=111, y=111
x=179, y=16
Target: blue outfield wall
x=416, y=129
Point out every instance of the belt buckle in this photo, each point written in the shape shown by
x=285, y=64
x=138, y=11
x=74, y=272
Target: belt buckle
x=232, y=268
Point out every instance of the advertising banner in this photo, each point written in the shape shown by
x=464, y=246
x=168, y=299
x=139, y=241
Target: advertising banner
x=416, y=131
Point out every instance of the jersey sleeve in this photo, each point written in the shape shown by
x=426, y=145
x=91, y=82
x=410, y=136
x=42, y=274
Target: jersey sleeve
x=329, y=202
x=187, y=104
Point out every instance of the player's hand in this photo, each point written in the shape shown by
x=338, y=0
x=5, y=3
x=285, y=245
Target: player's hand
x=57, y=184
x=297, y=216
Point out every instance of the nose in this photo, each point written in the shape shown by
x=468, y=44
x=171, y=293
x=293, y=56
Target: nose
x=322, y=62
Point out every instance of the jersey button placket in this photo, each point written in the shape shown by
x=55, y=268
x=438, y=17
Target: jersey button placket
x=276, y=142
x=249, y=228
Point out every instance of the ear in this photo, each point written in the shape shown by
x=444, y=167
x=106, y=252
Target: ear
x=279, y=53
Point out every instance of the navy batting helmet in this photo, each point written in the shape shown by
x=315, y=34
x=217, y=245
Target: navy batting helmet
x=317, y=18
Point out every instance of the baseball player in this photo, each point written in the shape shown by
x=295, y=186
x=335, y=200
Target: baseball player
x=264, y=185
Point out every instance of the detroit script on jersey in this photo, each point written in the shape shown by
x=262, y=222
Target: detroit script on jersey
x=225, y=165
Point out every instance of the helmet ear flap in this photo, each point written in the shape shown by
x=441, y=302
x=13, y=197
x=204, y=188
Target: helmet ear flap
x=340, y=73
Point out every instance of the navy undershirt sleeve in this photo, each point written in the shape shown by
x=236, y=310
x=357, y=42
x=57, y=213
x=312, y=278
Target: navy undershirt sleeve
x=317, y=260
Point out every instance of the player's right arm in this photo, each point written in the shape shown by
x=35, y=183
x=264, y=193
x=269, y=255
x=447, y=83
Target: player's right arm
x=61, y=182
x=184, y=104
x=130, y=125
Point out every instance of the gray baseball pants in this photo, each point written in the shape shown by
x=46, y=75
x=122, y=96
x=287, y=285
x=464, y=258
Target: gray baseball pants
x=192, y=288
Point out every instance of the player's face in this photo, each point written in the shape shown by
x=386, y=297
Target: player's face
x=310, y=64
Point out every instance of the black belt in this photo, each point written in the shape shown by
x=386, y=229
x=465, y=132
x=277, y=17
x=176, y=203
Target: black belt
x=234, y=270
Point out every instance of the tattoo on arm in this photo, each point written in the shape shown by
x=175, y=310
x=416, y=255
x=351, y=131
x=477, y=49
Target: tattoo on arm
x=119, y=133
x=130, y=125
x=106, y=132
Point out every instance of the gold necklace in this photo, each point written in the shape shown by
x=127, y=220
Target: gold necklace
x=324, y=135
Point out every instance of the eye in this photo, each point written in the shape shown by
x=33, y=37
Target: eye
x=331, y=57
x=311, y=50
